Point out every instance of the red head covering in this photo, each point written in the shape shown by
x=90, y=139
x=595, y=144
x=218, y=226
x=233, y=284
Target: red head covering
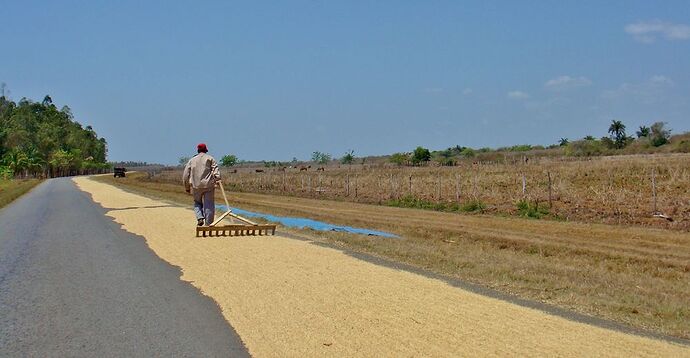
x=201, y=148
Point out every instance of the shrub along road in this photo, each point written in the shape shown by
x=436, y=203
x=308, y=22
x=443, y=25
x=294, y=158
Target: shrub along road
x=72, y=283
x=291, y=297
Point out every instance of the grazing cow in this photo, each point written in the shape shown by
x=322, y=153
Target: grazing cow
x=303, y=168
x=234, y=171
x=259, y=170
x=320, y=169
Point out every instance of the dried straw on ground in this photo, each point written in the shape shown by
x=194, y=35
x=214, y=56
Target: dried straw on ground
x=288, y=297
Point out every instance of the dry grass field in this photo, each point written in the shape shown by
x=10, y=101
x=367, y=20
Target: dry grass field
x=636, y=275
x=12, y=189
x=613, y=190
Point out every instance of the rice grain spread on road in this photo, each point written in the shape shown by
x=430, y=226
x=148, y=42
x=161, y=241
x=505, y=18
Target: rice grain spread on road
x=287, y=297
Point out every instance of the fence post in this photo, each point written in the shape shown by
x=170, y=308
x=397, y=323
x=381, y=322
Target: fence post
x=355, y=185
x=438, y=187
x=550, y=196
x=347, y=184
x=524, y=184
x=475, y=185
x=378, y=177
x=410, y=185
x=654, y=188
x=457, y=188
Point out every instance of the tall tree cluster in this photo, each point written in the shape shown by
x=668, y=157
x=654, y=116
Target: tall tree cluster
x=37, y=139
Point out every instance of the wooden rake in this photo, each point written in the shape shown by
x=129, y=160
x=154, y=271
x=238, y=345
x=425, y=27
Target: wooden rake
x=249, y=228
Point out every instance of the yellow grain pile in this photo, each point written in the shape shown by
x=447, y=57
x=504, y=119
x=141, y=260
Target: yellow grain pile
x=287, y=297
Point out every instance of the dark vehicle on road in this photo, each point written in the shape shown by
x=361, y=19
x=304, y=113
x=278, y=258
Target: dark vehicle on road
x=119, y=172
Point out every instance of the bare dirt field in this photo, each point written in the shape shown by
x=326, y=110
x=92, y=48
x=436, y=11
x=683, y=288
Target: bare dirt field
x=289, y=297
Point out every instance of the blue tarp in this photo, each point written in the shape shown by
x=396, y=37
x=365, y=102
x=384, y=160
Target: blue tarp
x=302, y=223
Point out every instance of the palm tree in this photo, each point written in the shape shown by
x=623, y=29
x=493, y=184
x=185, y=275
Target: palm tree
x=617, y=131
x=643, y=132
x=16, y=161
x=563, y=142
x=34, y=161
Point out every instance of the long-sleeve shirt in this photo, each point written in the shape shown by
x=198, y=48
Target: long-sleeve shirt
x=201, y=172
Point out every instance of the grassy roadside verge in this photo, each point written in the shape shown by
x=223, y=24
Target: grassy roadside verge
x=12, y=189
x=636, y=276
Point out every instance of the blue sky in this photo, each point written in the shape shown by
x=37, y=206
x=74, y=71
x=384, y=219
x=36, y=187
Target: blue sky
x=276, y=80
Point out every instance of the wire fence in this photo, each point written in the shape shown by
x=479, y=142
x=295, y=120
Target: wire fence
x=636, y=190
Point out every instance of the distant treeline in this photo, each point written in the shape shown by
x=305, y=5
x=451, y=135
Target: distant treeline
x=132, y=164
x=38, y=140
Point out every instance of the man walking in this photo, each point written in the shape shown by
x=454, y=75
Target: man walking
x=200, y=176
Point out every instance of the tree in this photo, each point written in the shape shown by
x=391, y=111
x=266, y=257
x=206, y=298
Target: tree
x=589, y=137
x=420, y=155
x=348, y=158
x=617, y=132
x=34, y=161
x=183, y=161
x=608, y=142
x=658, y=134
x=399, y=158
x=321, y=158
x=325, y=158
x=468, y=152
x=32, y=133
x=643, y=132
x=228, y=160
x=16, y=161
x=60, y=161
x=563, y=142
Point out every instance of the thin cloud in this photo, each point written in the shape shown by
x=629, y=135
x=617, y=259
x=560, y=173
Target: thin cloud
x=647, y=32
x=467, y=91
x=661, y=80
x=650, y=91
x=564, y=82
x=433, y=90
x=518, y=95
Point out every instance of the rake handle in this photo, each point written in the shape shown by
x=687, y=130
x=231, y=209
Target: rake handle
x=227, y=205
x=220, y=184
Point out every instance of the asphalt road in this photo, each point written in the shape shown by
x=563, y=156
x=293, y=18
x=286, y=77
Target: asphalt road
x=72, y=283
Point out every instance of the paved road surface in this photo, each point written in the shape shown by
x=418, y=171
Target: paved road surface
x=72, y=283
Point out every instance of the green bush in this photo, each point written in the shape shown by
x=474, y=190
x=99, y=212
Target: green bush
x=399, y=158
x=531, y=210
x=446, y=162
x=585, y=148
x=467, y=153
x=227, y=160
x=473, y=206
x=420, y=155
x=409, y=201
x=5, y=173
x=659, y=134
